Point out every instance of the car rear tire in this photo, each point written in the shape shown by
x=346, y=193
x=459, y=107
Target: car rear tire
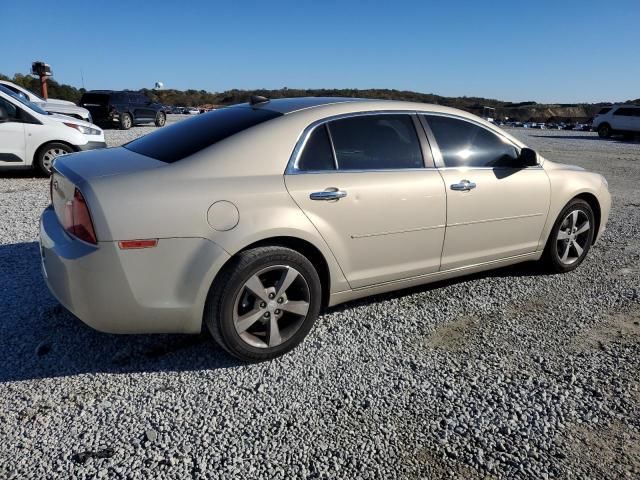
x=263, y=303
x=604, y=130
x=161, y=119
x=126, y=121
x=48, y=153
x=570, y=238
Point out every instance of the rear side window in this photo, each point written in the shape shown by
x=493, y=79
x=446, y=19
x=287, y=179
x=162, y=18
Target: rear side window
x=376, y=142
x=182, y=139
x=624, y=112
x=317, y=154
x=94, y=99
x=604, y=110
x=465, y=144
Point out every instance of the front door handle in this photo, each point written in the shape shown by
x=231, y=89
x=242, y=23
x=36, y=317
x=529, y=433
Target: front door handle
x=463, y=186
x=328, y=194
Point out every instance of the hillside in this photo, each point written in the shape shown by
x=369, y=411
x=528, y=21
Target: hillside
x=522, y=111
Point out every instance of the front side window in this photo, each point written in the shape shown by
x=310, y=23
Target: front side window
x=8, y=110
x=376, y=142
x=465, y=144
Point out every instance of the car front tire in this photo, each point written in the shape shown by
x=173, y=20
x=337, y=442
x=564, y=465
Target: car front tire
x=571, y=237
x=263, y=303
x=48, y=153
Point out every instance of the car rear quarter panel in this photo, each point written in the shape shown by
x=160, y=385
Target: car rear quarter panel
x=174, y=203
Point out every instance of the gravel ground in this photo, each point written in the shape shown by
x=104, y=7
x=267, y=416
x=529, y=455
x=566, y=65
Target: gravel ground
x=510, y=374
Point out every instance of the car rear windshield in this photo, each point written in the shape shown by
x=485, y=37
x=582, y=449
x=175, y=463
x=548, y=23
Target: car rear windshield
x=182, y=139
x=94, y=99
x=604, y=110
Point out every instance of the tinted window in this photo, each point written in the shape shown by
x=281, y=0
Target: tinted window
x=317, y=154
x=8, y=109
x=375, y=142
x=173, y=143
x=604, y=110
x=97, y=99
x=465, y=144
x=624, y=112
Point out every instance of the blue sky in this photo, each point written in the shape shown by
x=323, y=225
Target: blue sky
x=547, y=51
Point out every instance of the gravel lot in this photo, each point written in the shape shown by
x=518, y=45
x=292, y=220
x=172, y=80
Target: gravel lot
x=513, y=374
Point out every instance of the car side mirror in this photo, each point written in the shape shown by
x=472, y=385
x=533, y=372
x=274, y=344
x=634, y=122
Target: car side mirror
x=527, y=158
x=4, y=116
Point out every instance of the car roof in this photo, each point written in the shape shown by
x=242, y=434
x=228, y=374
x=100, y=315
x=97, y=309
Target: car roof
x=312, y=109
x=289, y=105
x=326, y=105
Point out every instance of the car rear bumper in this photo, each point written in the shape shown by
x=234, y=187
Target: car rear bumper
x=154, y=290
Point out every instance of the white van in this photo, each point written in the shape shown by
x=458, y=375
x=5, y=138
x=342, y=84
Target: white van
x=624, y=119
x=32, y=137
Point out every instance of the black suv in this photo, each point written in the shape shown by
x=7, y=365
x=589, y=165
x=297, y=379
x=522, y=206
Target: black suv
x=124, y=108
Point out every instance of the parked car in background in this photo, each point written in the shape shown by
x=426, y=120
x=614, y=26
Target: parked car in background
x=250, y=219
x=32, y=137
x=51, y=105
x=192, y=111
x=123, y=109
x=618, y=119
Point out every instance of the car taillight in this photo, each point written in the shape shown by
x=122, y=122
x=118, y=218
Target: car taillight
x=77, y=220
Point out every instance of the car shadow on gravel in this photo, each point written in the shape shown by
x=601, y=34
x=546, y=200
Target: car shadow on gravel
x=40, y=339
x=21, y=173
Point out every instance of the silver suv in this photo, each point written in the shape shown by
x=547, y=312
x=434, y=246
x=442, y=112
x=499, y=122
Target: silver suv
x=618, y=119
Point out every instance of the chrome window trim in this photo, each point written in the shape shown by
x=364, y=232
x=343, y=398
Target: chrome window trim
x=292, y=168
x=437, y=154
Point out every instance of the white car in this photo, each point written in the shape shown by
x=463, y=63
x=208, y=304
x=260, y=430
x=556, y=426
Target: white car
x=622, y=119
x=32, y=137
x=52, y=105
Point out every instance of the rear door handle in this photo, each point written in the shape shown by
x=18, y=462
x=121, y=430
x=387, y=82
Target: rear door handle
x=463, y=186
x=328, y=194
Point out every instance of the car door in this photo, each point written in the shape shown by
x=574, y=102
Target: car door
x=622, y=119
x=363, y=182
x=136, y=105
x=495, y=209
x=146, y=107
x=12, y=135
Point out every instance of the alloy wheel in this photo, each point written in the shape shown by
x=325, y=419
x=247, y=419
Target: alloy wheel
x=573, y=236
x=271, y=306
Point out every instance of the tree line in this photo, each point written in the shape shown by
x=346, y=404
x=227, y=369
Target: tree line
x=195, y=98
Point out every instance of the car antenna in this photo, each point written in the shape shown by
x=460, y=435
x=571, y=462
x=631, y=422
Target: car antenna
x=256, y=99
